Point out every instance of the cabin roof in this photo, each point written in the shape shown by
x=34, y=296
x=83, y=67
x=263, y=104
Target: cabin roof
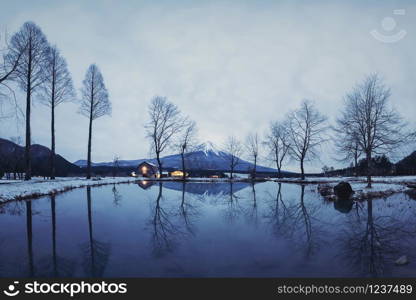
x=147, y=163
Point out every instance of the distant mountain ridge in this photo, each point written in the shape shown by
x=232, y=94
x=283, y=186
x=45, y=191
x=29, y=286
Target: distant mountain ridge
x=207, y=158
x=12, y=160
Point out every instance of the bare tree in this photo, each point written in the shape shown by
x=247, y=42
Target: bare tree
x=234, y=149
x=116, y=165
x=56, y=89
x=372, y=124
x=94, y=104
x=306, y=128
x=11, y=58
x=187, y=142
x=277, y=142
x=348, y=146
x=30, y=44
x=165, y=123
x=252, y=147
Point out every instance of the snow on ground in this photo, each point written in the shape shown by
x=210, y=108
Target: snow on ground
x=376, y=179
x=18, y=189
x=13, y=189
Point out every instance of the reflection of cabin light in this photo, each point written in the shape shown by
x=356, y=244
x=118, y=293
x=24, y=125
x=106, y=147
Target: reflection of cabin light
x=133, y=174
x=144, y=182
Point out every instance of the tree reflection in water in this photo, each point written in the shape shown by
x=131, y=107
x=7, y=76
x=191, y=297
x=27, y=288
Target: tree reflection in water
x=372, y=243
x=31, y=268
x=251, y=212
x=278, y=215
x=55, y=266
x=233, y=208
x=95, y=253
x=297, y=221
x=164, y=231
x=188, y=212
x=116, y=196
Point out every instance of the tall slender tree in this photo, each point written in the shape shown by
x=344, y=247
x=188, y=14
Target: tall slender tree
x=252, y=147
x=186, y=143
x=56, y=89
x=277, y=142
x=31, y=44
x=306, y=130
x=234, y=150
x=95, y=103
x=165, y=123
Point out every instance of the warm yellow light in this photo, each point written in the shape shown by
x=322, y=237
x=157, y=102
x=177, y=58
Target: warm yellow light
x=176, y=173
x=144, y=169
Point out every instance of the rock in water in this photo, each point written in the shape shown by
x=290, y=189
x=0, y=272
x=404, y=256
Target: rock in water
x=402, y=260
x=343, y=190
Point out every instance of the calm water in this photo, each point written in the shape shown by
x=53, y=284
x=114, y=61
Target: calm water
x=206, y=230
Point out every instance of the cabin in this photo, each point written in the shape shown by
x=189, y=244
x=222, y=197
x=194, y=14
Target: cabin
x=146, y=169
x=178, y=173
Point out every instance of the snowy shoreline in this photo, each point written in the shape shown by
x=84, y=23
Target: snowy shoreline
x=11, y=190
x=19, y=190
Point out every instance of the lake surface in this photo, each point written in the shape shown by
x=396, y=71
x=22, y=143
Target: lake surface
x=206, y=230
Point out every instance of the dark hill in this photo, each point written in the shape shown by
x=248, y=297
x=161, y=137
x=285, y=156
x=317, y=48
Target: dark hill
x=407, y=166
x=12, y=160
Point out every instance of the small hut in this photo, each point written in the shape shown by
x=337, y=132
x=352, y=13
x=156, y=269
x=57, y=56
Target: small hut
x=146, y=169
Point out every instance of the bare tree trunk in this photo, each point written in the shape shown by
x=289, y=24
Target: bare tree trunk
x=255, y=167
x=302, y=170
x=89, y=148
x=183, y=166
x=279, y=175
x=53, y=128
x=28, y=167
x=53, y=142
x=159, y=163
x=369, y=166
x=356, y=164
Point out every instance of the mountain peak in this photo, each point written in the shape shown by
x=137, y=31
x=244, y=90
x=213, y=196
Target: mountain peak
x=210, y=148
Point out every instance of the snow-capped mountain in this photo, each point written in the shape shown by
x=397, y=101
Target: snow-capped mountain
x=206, y=157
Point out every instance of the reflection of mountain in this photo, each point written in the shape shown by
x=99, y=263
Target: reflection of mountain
x=206, y=188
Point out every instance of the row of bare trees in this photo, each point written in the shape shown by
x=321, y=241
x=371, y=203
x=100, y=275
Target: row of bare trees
x=169, y=129
x=367, y=126
x=36, y=67
x=298, y=135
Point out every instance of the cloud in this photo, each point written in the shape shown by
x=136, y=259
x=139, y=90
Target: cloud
x=233, y=66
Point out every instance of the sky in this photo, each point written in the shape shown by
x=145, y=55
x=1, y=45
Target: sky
x=232, y=66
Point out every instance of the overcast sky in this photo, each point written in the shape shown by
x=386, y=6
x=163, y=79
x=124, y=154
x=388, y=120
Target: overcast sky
x=233, y=66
